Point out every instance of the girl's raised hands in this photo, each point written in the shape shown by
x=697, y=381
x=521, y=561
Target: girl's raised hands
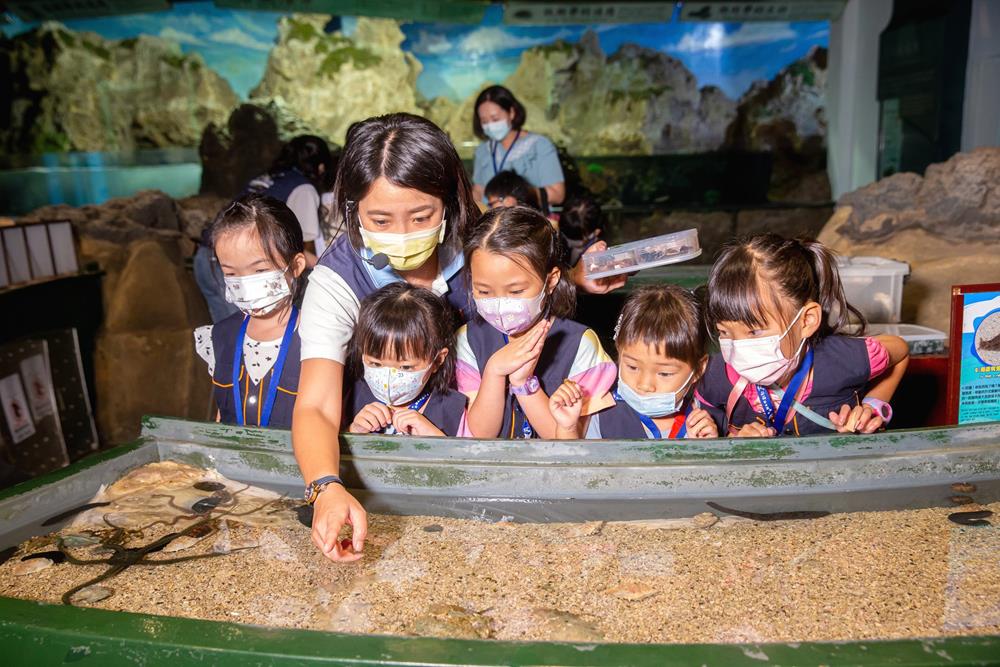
x=517, y=358
x=566, y=404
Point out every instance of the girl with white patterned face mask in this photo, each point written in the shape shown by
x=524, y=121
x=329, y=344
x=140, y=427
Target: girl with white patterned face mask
x=522, y=346
x=402, y=358
x=661, y=356
x=791, y=362
x=253, y=355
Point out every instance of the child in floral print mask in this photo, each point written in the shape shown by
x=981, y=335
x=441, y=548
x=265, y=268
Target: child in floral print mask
x=253, y=356
x=402, y=359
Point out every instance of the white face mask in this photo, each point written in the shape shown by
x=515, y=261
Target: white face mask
x=393, y=386
x=760, y=360
x=259, y=293
x=653, y=405
x=511, y=315
x=496, y=130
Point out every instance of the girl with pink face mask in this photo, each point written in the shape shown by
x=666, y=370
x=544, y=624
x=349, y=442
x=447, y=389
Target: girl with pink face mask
x=521, y=347
x=787, y=365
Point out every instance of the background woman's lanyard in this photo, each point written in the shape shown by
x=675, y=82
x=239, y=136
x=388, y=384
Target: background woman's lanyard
x=526, y=430
x=415, y=405
x=777, y=420
x=493, y=153
x=678, y=430
x=279, y=365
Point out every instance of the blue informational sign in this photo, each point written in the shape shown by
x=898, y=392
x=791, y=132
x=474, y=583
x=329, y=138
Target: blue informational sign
x=979, y=372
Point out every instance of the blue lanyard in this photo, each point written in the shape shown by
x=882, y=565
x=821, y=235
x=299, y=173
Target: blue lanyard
x=778, y=420
x=650, y=425
x=493, y=153
x=526, y=430
x=279, y=365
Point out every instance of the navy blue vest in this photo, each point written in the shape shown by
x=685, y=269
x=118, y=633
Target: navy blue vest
x=443, y=410
x=554, y=364
x=223, y=343
x=343, y=259
x=841, y=371
x=278, y=185
x=621, y=421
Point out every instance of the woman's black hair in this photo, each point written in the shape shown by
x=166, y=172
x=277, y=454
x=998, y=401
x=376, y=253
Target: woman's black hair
x=525, y=236
x=307, y=153
x=409, y=152
x=274, y=224
x=510, y=184
x=504, y=99
x=580, y=217
x=794, y=271
x=668, y=318
x=400, y=321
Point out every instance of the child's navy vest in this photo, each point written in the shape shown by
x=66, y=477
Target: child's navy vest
x=343, y=259
x=443, y=410
x=621, y=422
x=252, y=395
x=279, y=186
x=554, y=364
x=841, y=371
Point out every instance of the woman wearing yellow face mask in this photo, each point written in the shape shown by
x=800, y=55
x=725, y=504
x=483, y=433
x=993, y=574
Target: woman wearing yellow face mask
x=405, y=202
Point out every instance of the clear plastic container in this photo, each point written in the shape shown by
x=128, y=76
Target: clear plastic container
x=922, y=340
x=874, y=285
x=643, y=254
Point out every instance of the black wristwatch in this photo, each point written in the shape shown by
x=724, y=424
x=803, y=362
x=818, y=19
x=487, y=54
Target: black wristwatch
x=316, y=487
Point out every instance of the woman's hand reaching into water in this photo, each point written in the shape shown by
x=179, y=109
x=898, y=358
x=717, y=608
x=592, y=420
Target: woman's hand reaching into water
x=334, y=508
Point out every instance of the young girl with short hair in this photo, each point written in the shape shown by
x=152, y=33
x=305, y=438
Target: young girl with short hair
x=521, y=345
x=785, y=365
x=402, y=355
x=661, y=357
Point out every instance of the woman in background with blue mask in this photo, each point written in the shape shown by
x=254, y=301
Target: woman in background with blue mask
x=253, y=355
x=498, y=120
x=661, y=356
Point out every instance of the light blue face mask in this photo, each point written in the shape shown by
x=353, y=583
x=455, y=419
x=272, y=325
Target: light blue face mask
x=653, y=405
x=496, y=130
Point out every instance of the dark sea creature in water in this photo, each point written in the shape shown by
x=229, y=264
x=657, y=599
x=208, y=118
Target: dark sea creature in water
x=121, y=557
x=209, y=486
x=769, y=516
x=971, y=518
x=990, y=344
x=62, y=516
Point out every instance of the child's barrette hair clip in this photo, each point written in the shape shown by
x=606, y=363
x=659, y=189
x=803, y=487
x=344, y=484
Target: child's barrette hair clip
x=618, y=326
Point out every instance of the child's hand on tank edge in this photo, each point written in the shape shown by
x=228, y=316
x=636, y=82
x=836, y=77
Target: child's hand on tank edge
x=701, y=425
x=859, y=419
x=411, y=422
x=373, y=417
x=755, y=430
x=566, y=404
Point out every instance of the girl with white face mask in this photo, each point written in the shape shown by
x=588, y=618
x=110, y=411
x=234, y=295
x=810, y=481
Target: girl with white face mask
x=661, y=356
x=253, y=355
x=402, y=357
x=521, y=346
x=786, y=365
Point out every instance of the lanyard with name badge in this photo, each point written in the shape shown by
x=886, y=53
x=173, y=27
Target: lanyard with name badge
x=279, y=365
x=493, y=153
x=777, y=420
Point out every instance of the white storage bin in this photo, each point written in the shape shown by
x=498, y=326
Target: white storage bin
x=874, y=286
x=922, y=340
